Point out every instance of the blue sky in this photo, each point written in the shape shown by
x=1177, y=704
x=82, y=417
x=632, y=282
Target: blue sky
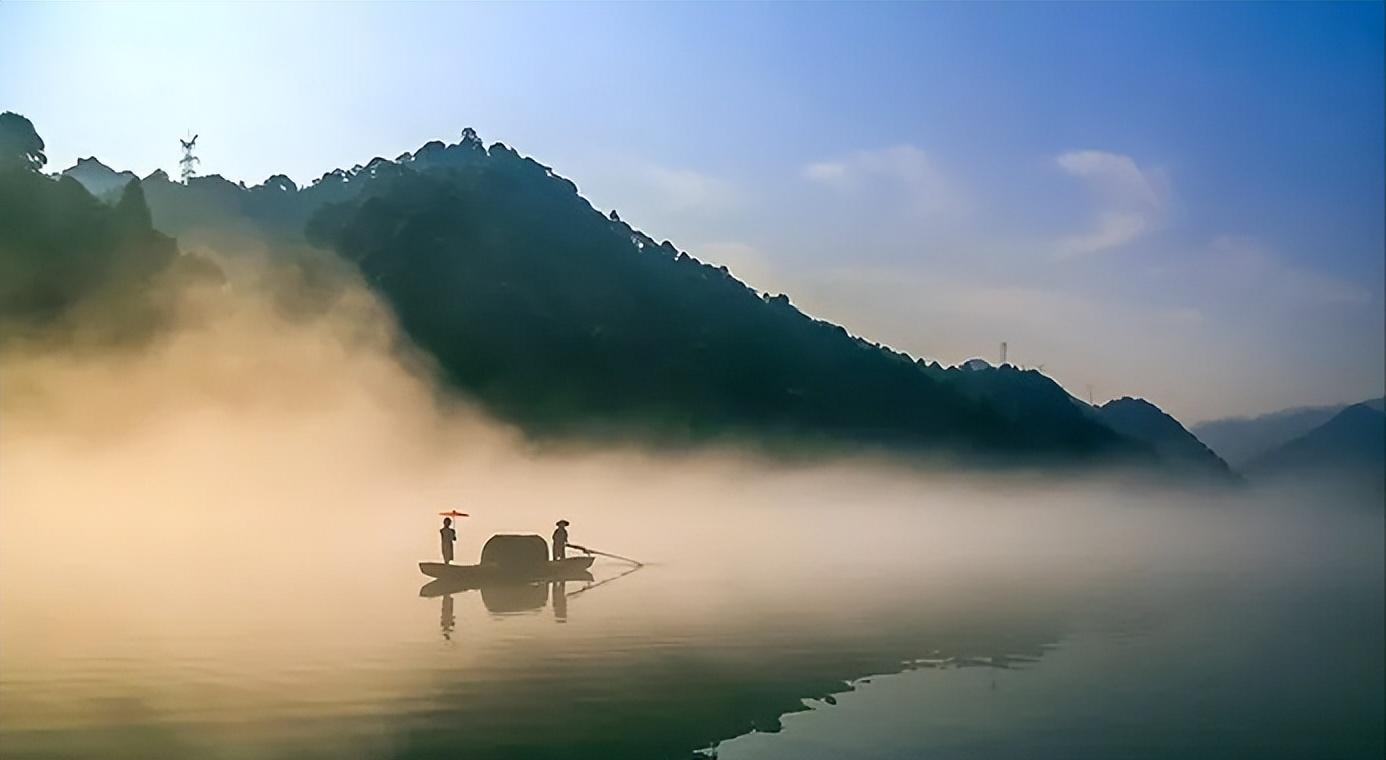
x=1178, y=201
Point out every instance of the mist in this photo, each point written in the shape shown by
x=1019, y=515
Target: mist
x=311, y=428
x=833, y=397
x=269, y=466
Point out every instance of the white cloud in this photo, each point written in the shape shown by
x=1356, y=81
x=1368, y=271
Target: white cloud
x=1112, y=230
x=1115, y=175
x=1130, y=201
x=902, y=170
x=663, y=200
x=830, y=172
x=682, y=190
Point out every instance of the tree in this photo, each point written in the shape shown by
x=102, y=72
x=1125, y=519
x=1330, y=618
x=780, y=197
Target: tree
x=132, y=210
x=20, y=146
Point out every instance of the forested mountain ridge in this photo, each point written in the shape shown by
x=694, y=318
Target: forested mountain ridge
x=66, y=256
x=568, y=321
x=1144, y=421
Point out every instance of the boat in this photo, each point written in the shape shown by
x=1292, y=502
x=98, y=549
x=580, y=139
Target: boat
x=510, y=559
x=441, y=587
x=570, y=569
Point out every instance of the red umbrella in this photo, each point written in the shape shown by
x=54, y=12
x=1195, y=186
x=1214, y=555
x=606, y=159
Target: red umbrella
x=454, y=513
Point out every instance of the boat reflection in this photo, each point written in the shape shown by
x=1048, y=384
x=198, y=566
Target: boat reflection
x=503, y=598
x=513, y=597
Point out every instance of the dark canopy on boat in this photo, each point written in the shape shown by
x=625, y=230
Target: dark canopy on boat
x=514, y=552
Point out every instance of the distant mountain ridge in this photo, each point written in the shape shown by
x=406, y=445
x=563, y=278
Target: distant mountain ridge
x=1144, y=421
x=1241, y=439
x=564, y=319
x=99, y=179
x=1351, y=444
x=70, y=260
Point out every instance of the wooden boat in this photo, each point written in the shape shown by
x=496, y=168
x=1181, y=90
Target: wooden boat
x=511, y=559
x=572, y=568
x=443, y=586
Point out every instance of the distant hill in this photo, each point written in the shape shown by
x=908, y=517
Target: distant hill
x=1030, y=395
x=1144, y=421
x=66, y=256
x=568, y=321
x=1351, y=445
x=1241, y=439
x=99, y=179
x=1024, y=396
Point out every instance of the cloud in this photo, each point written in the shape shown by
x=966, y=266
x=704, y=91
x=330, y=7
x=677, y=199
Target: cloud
x=1116, y=175
x=1130, y=201
x=830, y=172
x=903, y=170
x=666, y=200
x=683, y=190
x=1112, y=230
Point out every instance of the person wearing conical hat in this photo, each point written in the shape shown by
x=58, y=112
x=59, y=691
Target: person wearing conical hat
x=560, y=540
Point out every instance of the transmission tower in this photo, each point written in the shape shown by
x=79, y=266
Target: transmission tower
x=188, y=163
x=1003, y=352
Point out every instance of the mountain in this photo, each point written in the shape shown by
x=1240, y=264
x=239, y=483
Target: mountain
x=228, y=216
x=1349, y=446
x=1026, y=397
x=64, y=254
x=211, y=210
x=1038, y=400
x=99, y=179
x=1143, y=421
x=1241, y=439
x=567, y=321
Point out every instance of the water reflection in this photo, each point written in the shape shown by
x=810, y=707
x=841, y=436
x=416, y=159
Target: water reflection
x=589, y=586
x=676, y=662
x=559, y=591
x=508, y=598
x=448, y=619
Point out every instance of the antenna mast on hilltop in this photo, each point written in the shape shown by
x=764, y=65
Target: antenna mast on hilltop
x=1003, y=353
x=187, y=162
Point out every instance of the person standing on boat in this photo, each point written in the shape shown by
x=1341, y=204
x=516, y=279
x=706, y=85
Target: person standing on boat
x=560, y=540
x=449, y=537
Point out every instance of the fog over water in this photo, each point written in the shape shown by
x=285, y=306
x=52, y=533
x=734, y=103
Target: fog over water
x=208, y=544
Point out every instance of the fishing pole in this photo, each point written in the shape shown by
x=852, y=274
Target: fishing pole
x=585, y=550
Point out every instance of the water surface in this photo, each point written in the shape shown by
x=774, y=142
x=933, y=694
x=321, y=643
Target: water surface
x=895, y=624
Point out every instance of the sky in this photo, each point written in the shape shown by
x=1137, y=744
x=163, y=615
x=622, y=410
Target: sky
x=1182, y=202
